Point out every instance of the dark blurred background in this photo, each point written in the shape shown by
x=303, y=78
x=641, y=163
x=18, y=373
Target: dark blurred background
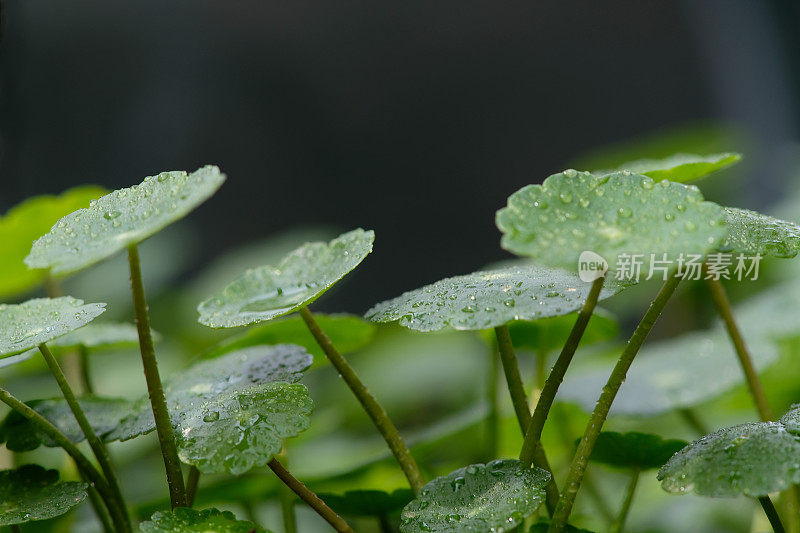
x=416, y=119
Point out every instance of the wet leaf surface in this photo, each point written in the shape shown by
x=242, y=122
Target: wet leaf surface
x=26, y=222
x=491, y=298
x=613, y=216
x=183, y=519
x=268, y=292
x=25, y=326
x=753, y=233
x=749, y=459
x=124, y=217
x=477, y=498
x=32, y=493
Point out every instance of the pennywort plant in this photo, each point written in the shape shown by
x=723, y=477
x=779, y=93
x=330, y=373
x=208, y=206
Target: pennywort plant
x=241, y=407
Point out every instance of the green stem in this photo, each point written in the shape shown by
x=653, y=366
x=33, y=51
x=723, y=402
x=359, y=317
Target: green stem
x=603, y=406
x=493, y=417
x=97, y=446
x=693, y=421
x=15, y=528
x=589, y=484
x=516, y=389
x=533, y=434
x=309, y=497
x=286, y=499
x=86, y=378
x=376, y=413
x=192, y=482
x=100, y=510
x=158, y=402
x=86, y=468
x=772, y=514
x=626, y=504
x=520, y=401
x=723, y=305
x=384, y=524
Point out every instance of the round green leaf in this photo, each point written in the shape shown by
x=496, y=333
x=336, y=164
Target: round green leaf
x=27, y=325
x=477, y=498
x=185, y=520
x=32, y=493
x=623, y=213
x=671, y=374
x=104, y=414
x=753, y=233
x=680, y=168
x=348, y=333
x=368, y=502
x=487, y=299
x=100, y=337
x=190, y=390
x=750, y=459
x=267, y=292
x=124, y=217
x=634, y=450
x=241, y=430
x=25, y=223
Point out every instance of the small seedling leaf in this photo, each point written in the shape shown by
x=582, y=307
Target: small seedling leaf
x=241, y=430
x=634, y=450
x=616, y=216
x=489, y=298
x=27, y=325
x=32, y=493
x=672, y=374
x=368, y=502
x=680, y=168
x=349, y=333
x=185, y=520
x=124, y=217
x=477, y=498
x=25, y=223
x=752, y=233
x=104, y=414
x=267, y=292
x=749, y=459
x=103, y=336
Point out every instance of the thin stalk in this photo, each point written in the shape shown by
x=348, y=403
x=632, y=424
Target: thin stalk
x=192, y=482
x=693, y=421
x=520, y=401
x=15, y=528
x=166, y=437
x=86, y=378
x=100, y=510
x=603, y=406
x=288, y=516
x=626, y=504
x=384, y=524
x=516, y=389
x=309, y=497
x=86, y=468
x=493, y=417
x=97, y=446
x=533, y=434
x=589, y=484
x=723, y=305
x=376, y=413
x=772, y=514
